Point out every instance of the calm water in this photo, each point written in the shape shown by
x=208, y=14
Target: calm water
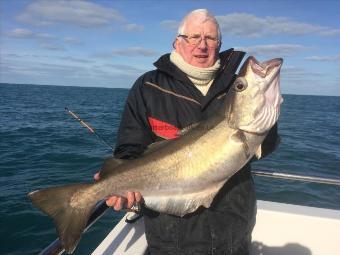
x=41, y=146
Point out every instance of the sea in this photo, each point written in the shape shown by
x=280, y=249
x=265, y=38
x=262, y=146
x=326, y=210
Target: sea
x=41, y=145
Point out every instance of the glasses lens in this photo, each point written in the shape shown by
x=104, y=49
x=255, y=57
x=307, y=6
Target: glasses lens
x=196, y=40
x=211, y=42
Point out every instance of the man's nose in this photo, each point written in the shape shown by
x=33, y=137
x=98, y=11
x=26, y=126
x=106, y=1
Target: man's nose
x=202, y=44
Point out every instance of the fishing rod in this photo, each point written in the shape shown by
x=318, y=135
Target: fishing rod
x=83, y=123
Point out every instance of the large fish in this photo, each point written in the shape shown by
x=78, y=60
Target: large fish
x=180, y=175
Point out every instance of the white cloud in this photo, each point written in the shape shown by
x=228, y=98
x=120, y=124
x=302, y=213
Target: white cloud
x=248, y=25
x=134, y=27
x=324, y=58
x=21, y=33
x=73, y=59
x=52, y=46
x=77, y=13
x=125, y=68
x=46, y=41
x=170, y=24
x=300, y=80
x=134, y=51
x=72, y=40
x=273, y=50
x=15, y=57
x=80, y=13
x=42, y=72
x=294, y=73
x=10, y=55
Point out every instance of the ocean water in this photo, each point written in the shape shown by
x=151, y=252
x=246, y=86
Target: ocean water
x=41, y=146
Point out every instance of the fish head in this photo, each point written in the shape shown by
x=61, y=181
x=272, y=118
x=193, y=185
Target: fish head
x=255, y=98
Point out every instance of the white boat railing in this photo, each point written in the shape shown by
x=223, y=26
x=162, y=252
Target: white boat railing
x=296, y=177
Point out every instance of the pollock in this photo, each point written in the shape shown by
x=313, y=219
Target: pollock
x=180, y=175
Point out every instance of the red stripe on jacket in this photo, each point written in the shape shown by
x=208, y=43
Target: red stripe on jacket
x=163, y=129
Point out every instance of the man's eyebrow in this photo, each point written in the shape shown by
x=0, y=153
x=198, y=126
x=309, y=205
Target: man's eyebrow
x=195, y=34
x=206, y=35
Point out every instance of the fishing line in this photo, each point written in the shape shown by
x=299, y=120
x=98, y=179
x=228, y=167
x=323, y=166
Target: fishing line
x=88, y=127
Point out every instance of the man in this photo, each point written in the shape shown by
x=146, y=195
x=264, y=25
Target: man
x=189, y=85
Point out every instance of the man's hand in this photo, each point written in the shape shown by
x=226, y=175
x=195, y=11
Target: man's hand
x=118, y=202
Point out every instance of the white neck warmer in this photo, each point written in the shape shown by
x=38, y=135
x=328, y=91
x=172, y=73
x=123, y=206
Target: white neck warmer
x=202, y=78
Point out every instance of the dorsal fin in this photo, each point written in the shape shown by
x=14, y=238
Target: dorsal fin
x=188, y=128
x=155, y=146
x=162, y=141
x=109, y=165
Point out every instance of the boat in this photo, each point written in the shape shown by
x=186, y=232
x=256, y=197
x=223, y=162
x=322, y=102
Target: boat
x=280, y=229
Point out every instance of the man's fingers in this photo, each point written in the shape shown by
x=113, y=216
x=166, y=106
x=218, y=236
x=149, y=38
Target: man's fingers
x=138, y=197
x=96, y=176
x=130, y=199
x=111, y=201
x=119, y=203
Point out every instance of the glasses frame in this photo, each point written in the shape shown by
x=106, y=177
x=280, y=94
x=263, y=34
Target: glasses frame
x=187, y=38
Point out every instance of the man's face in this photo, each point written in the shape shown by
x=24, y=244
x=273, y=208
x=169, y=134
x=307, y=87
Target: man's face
x=200, y=55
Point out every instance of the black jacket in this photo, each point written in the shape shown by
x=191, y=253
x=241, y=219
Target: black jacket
x=161, y=102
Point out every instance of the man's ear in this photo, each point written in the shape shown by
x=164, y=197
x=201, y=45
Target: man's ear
x=174, y=43
x=219, y=47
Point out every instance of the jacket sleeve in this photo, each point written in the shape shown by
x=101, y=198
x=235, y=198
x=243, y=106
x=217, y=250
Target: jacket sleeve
x=271, y=142
x=134, y=133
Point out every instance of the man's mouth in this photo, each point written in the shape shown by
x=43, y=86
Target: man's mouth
x=201, y=56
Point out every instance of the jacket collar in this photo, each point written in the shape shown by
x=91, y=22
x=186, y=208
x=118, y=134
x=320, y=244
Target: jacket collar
x=164, y=64
x=230, y=61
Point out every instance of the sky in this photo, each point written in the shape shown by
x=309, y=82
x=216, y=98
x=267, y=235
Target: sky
x=111, y=43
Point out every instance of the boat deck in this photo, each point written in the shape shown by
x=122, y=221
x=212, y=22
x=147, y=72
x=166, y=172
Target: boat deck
x=281, y=229
x=284, y=229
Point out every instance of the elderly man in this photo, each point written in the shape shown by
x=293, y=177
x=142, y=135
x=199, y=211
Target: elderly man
x=187, y=86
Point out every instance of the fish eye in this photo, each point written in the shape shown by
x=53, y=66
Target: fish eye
x=240, y=84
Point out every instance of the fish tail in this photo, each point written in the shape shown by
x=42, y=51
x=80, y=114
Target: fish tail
x=70, y=216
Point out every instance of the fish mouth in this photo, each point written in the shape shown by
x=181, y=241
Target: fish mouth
x=267, y=99
x=266, y=68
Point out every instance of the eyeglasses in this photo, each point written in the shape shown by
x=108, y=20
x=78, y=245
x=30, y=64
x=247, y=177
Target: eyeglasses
x=195, y=40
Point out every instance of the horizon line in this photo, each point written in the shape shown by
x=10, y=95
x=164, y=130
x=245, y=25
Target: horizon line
x=102, y=87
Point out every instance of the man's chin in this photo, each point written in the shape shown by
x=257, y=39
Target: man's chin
x=202, y=63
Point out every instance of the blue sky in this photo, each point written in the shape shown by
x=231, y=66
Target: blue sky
x=111, y=43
